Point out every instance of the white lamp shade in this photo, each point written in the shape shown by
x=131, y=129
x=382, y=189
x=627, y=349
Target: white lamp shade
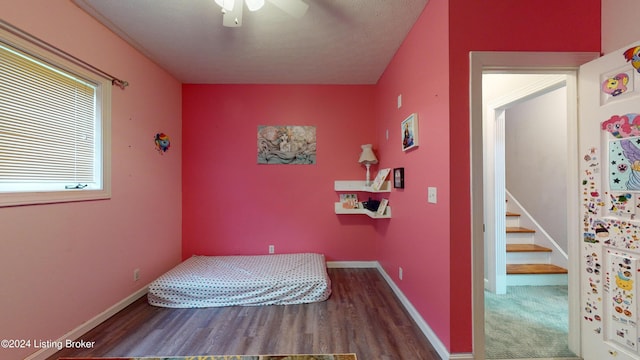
x=226, y=4
x=367, y=156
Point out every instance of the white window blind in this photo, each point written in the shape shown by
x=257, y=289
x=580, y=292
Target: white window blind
x=47, y=125
x=51, y=131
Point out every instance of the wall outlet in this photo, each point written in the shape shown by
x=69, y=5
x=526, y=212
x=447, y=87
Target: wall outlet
x=400, y=273
x=136, y=274
x=272, y=249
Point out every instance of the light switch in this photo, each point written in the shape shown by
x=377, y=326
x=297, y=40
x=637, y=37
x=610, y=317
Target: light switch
x=432, y=195
x=399, y=101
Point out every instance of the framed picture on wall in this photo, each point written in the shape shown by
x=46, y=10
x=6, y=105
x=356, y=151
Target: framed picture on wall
x=409, y=129
x=398, y=178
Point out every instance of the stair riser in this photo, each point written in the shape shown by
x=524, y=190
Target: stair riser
x=528, y=258
x=513, y=221
x=537, y=280
x=520, y=238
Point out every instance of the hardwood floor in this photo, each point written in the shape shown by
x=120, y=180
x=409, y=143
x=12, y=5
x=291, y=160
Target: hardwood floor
x=362, y=316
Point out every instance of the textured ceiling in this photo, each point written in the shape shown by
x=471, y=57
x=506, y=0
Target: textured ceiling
x=335, y=42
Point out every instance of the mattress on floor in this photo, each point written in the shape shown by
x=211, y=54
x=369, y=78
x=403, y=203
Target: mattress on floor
x=210, y=281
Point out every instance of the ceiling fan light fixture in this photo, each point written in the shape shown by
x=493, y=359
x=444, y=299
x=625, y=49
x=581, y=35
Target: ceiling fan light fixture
x=226, y=4
x=254, y=5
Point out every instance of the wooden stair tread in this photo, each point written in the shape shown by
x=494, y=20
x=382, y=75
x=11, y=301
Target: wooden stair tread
x=518, y=229
x=534, y=269
x=509, y=213
x=526, y=248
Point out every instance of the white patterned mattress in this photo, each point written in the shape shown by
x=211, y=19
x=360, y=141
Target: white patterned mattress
x=208, y=281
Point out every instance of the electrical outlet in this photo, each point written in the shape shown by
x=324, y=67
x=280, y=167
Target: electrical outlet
x=400, y=273
x=136, y=274
x=272, y=249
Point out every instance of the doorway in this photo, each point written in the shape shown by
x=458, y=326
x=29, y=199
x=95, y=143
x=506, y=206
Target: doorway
x=515, y=62
x=534, y=141
x=526, y=132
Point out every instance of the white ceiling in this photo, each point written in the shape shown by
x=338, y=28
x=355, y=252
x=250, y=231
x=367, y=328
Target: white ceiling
x=335, y=42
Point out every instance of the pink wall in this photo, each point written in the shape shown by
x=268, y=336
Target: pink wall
x=433, y=242
x=417, y=238
x=63, y=264
x=619, y=24
x=232, y=205
x=496, y=25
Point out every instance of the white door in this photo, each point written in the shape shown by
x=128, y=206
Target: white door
x=609, y=142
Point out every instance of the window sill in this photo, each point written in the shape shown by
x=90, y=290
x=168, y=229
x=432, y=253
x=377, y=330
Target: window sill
x=36, y=198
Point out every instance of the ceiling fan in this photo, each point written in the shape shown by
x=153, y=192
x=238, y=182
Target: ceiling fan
x=232, y=9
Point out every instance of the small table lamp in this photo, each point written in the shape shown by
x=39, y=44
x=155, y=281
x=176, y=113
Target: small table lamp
x=367, y=158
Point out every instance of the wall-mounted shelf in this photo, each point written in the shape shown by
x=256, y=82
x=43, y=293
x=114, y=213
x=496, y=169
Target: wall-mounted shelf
x=342, y=211
x=359, y=186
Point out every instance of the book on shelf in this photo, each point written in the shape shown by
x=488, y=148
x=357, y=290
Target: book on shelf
x=349, y=201
x=380, y=179
x=383, y=207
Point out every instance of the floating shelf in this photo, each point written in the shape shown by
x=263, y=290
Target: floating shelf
x=358, y=185
x=342, y=211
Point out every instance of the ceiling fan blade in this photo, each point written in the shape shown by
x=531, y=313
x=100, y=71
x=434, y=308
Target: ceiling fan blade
x=233, y=18
x=295, y=8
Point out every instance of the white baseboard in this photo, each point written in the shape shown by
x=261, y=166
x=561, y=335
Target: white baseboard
x=353, y=264
x=464, y=356
x=87, y=326
x=424, y=327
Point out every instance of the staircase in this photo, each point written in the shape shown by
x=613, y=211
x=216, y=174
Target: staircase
x=528, y=263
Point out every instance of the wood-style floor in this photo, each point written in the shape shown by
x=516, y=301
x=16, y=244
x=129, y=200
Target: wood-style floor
x=362, y=316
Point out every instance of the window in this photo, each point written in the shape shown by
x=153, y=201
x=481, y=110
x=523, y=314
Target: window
x=54, y=127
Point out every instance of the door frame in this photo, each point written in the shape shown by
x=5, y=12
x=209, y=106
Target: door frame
x=513, y=62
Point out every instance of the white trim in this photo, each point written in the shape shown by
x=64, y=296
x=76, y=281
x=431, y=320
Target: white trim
x=496, y=202
x=495, y=264
x=463, y=356
x=353, y=264
x=89, y=325
x=574, y=239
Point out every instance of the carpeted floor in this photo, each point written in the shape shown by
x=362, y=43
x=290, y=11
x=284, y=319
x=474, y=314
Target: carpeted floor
x=527, y=322
x=230, y=357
